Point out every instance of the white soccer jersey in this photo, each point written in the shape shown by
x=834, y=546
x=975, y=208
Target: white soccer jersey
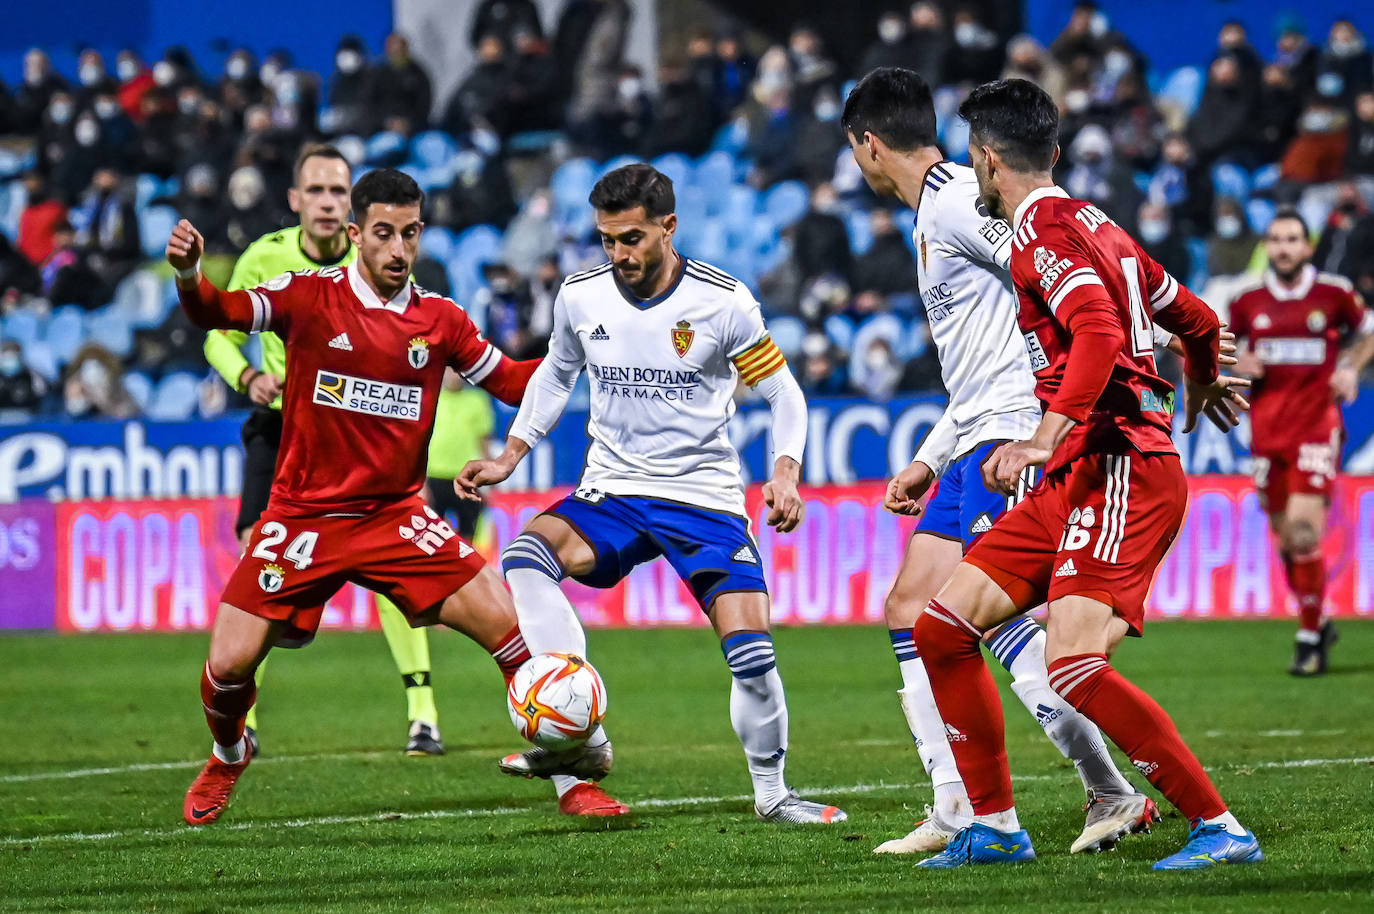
x=986, y=362
x=663, y=375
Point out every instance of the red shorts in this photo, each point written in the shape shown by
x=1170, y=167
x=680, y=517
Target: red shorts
x=1307, y=470
x=294, y=563
x=1098, y=528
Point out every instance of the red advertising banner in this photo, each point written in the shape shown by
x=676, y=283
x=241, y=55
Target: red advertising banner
x=160, y=565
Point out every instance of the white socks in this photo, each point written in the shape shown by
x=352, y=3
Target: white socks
x=758, y=711
x=547, y=618
x=1005, y=821
x=1229, y=822
x=231, y=755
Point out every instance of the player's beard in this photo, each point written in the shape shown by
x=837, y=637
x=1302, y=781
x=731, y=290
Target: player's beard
x=1289, y=275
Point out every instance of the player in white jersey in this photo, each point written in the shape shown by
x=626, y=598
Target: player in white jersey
x=987, y=366
x=664, y=340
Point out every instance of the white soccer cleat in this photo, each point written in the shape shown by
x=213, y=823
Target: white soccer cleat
x=1111, y=818
x=796, y=811
x=931, y=834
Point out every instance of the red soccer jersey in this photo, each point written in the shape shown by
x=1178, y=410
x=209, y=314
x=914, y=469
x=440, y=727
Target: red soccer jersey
x=362, y=382
x=1297, y=335
x=1065, y=253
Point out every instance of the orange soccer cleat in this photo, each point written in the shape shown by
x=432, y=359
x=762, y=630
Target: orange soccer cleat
x=209, y=793
x=590, y=800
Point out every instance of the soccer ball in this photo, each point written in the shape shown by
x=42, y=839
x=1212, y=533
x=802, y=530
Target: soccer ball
x=556, y=700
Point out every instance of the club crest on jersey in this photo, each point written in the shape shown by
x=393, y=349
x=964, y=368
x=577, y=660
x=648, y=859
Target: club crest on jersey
x=271, y=578
x=1316, y=322
x=923, y=251
x=683, y=334
x=418, y=353
x=1262, y=322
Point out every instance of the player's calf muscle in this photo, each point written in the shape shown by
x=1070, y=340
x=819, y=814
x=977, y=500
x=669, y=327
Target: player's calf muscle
x=481, y=609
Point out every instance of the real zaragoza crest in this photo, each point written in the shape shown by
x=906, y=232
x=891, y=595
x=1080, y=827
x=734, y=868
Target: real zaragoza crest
x=682, y=337
x=418, y=354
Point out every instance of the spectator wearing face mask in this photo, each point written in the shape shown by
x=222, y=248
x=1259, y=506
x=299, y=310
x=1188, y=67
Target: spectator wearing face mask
x=533, y=94
x=34, y=95
x=1082, y=36
x=977, y=54
x=177, y=68
x=157, y=134
x=92, y=77
x=107, y=226
x=251, y=213
x=875, y=373
x=773, y=119
x=117, y=131
x=480, y=194
x=1234, y=40
x=1028, y=59
x=819, y=138
x=1184, y=186
x=348, y=93
x=240, y=86
x=734, y=72
x=1096, y=175
x=481, y=99
x=1346, y=246
x=94, y=387
x=823, y=370
x=400, y=89
x=135, y=81
x=887, y=267
x=1345, y=66
x=1317, y=153
x=684, y=119
x=503, y=18
x=893, y=48
x=1295, y=53
x=21, y=388
x=812, y=68
x=54, y=140
x=1231, y=245
x=820, y=241
x=1162, y=241
x=507, y=304
x=531, y=237
x=199, y=201
x=930, y=42
x=1221, y=125
x=39, y=220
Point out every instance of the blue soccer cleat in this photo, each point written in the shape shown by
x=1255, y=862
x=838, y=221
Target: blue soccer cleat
x=1210, y=845
x=975, y=844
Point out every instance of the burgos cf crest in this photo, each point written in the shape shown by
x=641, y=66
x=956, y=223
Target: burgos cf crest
x=270, y=578
x=682, y=337
x=418, y=354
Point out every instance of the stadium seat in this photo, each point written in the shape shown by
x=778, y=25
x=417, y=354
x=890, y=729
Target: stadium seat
x=732, y=137
x=146, y=187
x=532, y=142
x=1259, y=213
x=860, y=225
x=12, y=201
x=880, y=326
x=65, y=332
x=676, y=166
x=385, y=148
x=433, y=148
x=788, y=332
x=1183, y=89
x=437, y=242
x=110, y=328
x=353, y=148
x=1266, y=177
x=175, y=398
x=956, y=140
x=40, y=357
x=155, y=224
x=737, y=207
x=1197, y=253
x=914, y=341
x=714, y=171
x=611, y=165
x=840, y=329
x=570, y=184
x=140, y=388
x=786, y=202
x=1230, y=180
x=23, y=326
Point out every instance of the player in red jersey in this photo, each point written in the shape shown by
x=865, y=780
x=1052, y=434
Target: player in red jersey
x=1294, y=325
x=367, y=350
x=1089, y=537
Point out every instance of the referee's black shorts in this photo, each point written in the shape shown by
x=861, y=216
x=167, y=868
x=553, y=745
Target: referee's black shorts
x=261, y=441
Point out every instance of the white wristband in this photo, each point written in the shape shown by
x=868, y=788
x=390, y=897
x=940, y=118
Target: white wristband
x=190, y=272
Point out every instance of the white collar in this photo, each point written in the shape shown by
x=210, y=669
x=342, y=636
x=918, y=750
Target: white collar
x=398, y=304
x=1035, y=196
x=1307, y=277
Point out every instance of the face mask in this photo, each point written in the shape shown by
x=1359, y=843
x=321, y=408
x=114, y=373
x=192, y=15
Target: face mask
x=1346, y=48
x=106, y=109
x=1228, y=227
x=876, y=360
x=891, y=31
x=1117, y=62
x=236, y=69
x=966, y=33
x=164, y=73
x=33, y=73
x=500, y=285
x=86, y=132
x=1154, y=230
x=486, y=141
x=93, y=374
x=827, y=111
x=269, y=72
x=629, y=89
x=1076, y=100
x=127, y=68
x=187, y=104
x=348, y=61
x=826, y=205
x=1330, y=85
x=1318, y=121
x=60, y=112
x=90, y=73
x=10, y=365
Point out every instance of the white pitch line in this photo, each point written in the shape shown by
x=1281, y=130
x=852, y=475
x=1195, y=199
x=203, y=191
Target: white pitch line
x=173, y=766
x=650, y=802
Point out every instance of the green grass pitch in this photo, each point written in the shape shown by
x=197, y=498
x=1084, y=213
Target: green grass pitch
x=100, y=736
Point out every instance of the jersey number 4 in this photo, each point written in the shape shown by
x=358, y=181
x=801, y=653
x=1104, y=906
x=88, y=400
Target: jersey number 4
x=300, y=551
x=1142, y=327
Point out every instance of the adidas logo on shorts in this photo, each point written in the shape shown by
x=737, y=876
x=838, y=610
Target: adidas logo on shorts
x=981, y=524
x=1066, y=570
x=599, y=334
x=745, y=554
x=341, y=342
x=1144, y=767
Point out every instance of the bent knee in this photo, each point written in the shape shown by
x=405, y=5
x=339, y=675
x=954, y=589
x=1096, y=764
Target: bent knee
x=575, y=553
x=1299, y=537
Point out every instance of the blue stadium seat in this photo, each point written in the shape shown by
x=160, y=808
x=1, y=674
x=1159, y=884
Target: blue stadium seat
x=612, y=164
x=40, y=357
x=570, y=184
x=12, y=200
x=437, y=242
x=714, y=171
x=175, y=398
x=786, y=202
x=676, y=166
x=532, y=142
x=1266, y=176
x=840, y=329
x=860, y=225
x=915, y=339
x=433, y=148
x=385, y=148
x=732, y=137
x=146, y=187
x=140, y=388
x=880, y=326
x=1197, y=253
x=155, y=224
x=110, y=328
x=788, y=332
x=23, y=326
x=1183, y=88
x=737, y=206
x=65, y=333
x=353, y=148
x=1259, y=213
x=693, y=204
x=956, y=140
x=1230, y=180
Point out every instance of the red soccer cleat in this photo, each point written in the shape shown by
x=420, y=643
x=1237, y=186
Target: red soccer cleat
x=590, y=800
x=209, y=793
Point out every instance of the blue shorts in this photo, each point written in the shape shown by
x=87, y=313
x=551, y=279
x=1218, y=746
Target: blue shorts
x=961, y=507
x=711, y=551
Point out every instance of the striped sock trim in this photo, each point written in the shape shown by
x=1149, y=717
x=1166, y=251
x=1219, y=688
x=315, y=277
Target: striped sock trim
x=511, y=652
x=1009, y=640
x=938, y=611
x=532, y=551
x=1068, y=673
x=749, y=654
x=903, y=644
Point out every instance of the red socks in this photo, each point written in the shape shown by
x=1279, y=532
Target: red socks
x=510, y=653
x=1137, y=724
x=226, y=703
x=1307, y=580
x=966, y=695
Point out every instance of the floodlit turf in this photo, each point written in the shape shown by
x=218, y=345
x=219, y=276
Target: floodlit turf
x=333, y=817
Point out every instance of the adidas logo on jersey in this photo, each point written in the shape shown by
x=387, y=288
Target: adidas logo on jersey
x=745, y=554
x=1066, y=570
x=953, y=735
x=599, y=334
x=981, y=524
x=341, y=342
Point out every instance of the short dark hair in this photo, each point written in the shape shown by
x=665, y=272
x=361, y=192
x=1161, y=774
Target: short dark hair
x=894, y=105
x=634, y=185
x=1291, y=212
x=318, y=151
x=1018, y=119
x=385, y=185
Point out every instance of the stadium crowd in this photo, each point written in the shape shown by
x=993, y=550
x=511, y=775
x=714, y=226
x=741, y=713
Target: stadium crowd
x=96, y=165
